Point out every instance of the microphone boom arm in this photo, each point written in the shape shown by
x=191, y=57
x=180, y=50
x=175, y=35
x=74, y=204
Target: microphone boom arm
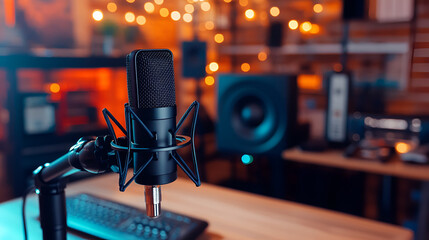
x=88, y=154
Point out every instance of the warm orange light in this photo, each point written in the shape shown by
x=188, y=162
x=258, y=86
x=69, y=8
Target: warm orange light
x=318, y=8
x=189, y=8
x=9, y=12
x=130, y=17
x=209, y=25
x=338, y=67
x=141, y=20
x=263, y=16
x=149, y=7
x=293, y=24
x=227, y=1
x=187, y=17
x=97, y=15
x=205, y=6
x=112, y=7
x=315, y=28
x=275, y=11
x=305, y=26
x=262, y=56
x=250, y=14
x=175, y=15
x=219, y=38
x=54, y=87
x=158, y=2
x=402, y=147
x=131, y=1
x=208, y=69
x=214, y=66
x=164, y=12
x=209, y=80
x=309, y=82
x=245, y=67
x=243, y=3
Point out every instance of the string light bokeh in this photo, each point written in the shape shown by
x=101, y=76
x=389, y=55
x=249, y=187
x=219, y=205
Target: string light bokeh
x=141, y=14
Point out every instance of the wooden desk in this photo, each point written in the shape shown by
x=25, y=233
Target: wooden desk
x=396, y=168
x=231, y=214
x=334, y=158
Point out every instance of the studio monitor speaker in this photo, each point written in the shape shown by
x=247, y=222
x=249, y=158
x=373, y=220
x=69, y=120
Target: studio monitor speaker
x=257, y=114
x=194, y=54
x=354, y=9
x=275, y=34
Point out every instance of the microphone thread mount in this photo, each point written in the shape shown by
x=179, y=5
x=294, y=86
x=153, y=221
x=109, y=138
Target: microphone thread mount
x=153, y=200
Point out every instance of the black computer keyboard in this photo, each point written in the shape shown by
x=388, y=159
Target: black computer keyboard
x=111, y=220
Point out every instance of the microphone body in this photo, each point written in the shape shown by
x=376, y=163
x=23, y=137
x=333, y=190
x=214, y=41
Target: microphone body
x=162, y=123
x=151, y=94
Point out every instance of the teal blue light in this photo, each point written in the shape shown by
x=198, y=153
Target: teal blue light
x=247, y=159
x=37, y=191
x=246, y=113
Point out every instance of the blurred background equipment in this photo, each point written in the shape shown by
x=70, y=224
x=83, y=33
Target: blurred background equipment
x=257, y=113
x=275, y=34
x=400, y=134
x=50, y=103
x=419, y=155
x=338, y=101
x=194, y=59
x=39, y=114
x=355, y=9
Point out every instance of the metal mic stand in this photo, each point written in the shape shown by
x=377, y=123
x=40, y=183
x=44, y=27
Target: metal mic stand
x=52, y=206
x=50, y=181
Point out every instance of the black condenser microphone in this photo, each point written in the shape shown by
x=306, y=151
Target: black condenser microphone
x=151, y=130
x=150, y=142
x=151, y=94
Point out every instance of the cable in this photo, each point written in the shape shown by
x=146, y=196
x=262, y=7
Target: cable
x=24, y=199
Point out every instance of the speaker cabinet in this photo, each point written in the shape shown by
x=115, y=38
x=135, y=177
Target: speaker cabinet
x=275, y=34
x=194, y=55
x=257, y=114
x=354, y=9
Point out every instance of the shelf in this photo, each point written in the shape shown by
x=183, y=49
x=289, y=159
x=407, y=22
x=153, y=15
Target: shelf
x=29, y=61
x=322, y=48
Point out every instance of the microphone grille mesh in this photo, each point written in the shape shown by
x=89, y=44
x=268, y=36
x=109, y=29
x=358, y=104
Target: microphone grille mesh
x=155, y=79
